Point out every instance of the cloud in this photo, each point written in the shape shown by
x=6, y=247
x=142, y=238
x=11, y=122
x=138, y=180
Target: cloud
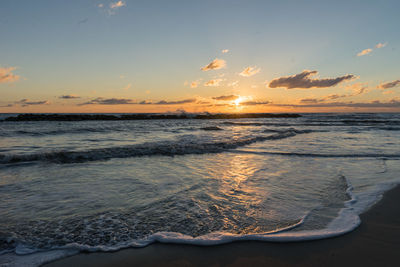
x=374, y=104
x=125, y=101
x=112, y=8
x=254, y=103
x=164, y=102
x=389, y=85
x=358, y=88
x=202, y=102
x=194, y=84
x=226, y=97
x=364, y=52
x=179, y=102
x=225, y=51
x=215, y=65
x=334, y=96
x=249, y=71
x=118, y=4
x=108, y=101
x=309, y=101
x=242, y=103
x=6, y=75
x=322, y=100
x=25, y=102
x=214, y=82
x=233, y=84
x=7, y=106
x=303, y=80
x=369, y=50
x=69, y=97
x=380, y=45
x=129, y=85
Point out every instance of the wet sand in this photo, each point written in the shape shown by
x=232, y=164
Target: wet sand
x=376, y=242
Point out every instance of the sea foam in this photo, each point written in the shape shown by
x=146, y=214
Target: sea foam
x=346, y=221
x=162, y=148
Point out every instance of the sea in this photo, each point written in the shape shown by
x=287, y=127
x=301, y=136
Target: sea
x=80, y=186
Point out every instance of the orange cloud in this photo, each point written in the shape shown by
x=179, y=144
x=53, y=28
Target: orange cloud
x=380, y=45
x=389, y=84
x=69, y=97
x=27, y=102
x=249, y=71
x=126, y=101
x=233, y=84
x=364, y=52
x=314, y=103
x=214, y=82
x=226, y=97
x=255, y=103
x=118, y=4
x=358, y=88
x=195, y=83
x=215, y=65
x=129, y=85
x=6, y=75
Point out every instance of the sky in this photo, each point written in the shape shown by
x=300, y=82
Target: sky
x=199, y=56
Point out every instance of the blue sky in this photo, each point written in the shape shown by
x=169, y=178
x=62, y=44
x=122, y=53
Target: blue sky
x=153, y=50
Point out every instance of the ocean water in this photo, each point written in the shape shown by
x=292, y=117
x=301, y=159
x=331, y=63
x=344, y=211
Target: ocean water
x=67, y=187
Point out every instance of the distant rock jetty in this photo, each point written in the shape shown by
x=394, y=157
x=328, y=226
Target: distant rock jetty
x=108, y=117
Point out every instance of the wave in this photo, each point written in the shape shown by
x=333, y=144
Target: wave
x=211, y=128
x=290, y=129
x=388, y=128
x=346, y=221
x=61, y=131
x=320, y=155
x=371, y=122
x=384, y=124
x=279, y=124
x=23, y=255
x=255, y=123
x=165, y=148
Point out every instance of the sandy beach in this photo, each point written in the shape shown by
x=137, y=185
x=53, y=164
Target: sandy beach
x=375, y=243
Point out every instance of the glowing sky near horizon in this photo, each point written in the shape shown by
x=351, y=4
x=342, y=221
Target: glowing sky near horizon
x=158, y=56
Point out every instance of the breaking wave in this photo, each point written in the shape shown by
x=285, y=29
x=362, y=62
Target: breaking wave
x=318, y=155
x=164, y=148
x=347, y=220
x=211, y=128
x=61, y=131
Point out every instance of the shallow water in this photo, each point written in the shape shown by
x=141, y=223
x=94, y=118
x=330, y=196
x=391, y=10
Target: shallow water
x=105, y=185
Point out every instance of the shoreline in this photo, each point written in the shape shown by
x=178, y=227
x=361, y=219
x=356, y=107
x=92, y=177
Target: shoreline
x=375, y=242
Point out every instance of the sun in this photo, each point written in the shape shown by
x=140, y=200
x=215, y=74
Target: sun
x=238, y=100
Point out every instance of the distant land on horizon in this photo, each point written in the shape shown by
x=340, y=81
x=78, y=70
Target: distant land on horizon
x=143, y=116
